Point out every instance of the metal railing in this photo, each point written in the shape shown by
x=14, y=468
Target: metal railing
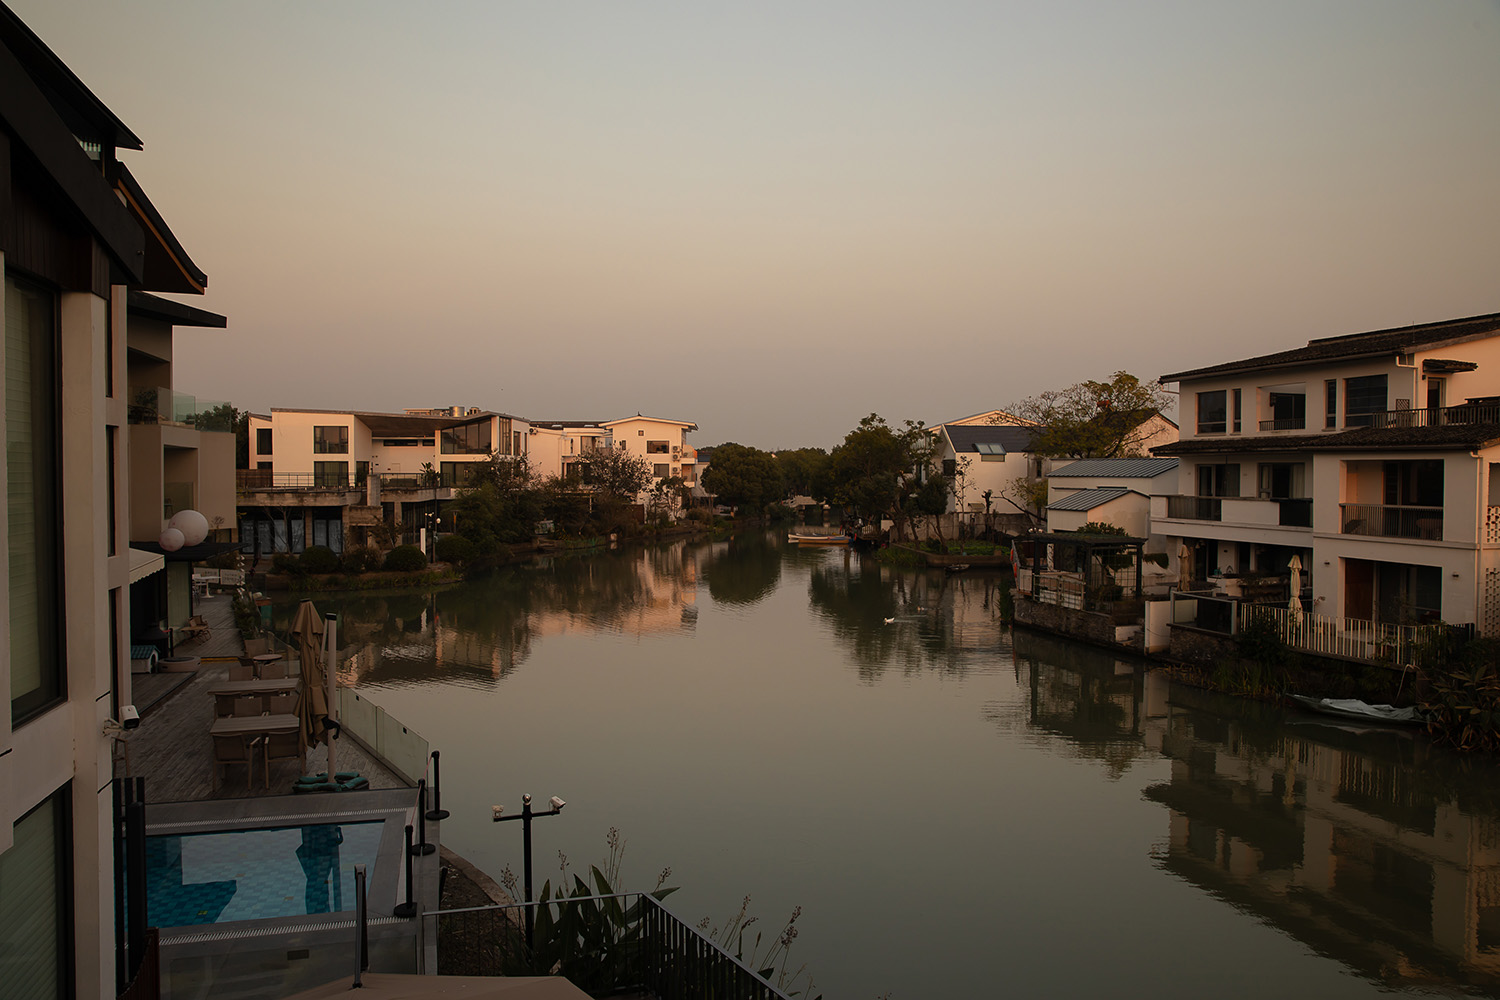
x=1284, y=424
x=1352, y=638
x=1436, y=416
x=619, y=943
x=265, y=479
x=1196, y=508
x=1383, y=521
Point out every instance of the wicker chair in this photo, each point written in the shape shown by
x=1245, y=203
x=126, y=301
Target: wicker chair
x=234, y=750
x=280, y=746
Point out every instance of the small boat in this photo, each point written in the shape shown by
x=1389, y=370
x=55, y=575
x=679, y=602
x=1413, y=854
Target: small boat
x=1352, y=708
x=797, y=539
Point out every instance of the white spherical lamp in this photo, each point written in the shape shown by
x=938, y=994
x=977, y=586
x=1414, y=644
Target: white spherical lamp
x=193, y=525
x=171, y=539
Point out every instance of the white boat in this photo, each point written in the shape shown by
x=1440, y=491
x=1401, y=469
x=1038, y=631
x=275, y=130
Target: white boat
x=805, y=539
x=1352, y=708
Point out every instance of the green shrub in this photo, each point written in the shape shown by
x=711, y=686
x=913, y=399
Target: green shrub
x=454, y=549
x=364, y=559
x=319, y=559
x=286, y=564
x=405, y=559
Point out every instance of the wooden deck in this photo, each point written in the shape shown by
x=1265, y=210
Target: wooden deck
x=172, y=749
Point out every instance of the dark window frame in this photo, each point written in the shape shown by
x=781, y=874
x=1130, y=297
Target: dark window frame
x=326, y=443
x=1216, y=405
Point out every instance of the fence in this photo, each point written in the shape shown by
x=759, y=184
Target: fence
x=401, y=748
x=1352, y=638
x=620, y=943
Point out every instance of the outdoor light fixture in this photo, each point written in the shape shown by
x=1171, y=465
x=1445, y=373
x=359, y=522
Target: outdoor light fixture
x=526, y=816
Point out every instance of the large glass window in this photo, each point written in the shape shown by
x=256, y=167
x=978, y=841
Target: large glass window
x=467, y=439
x=263, y=440
x=32, y=464
x=1288, y=411
x=1213, y=411
x=1218, y=480
x=34, y=922
x=658, y=447
x=332, y=475
x=330, y=440
x=1363, y=396
x=1331, y=410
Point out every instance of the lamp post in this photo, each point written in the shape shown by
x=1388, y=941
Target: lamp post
x=526, y=816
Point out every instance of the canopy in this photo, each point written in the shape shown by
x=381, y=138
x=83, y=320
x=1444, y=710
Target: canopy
x=143, y=563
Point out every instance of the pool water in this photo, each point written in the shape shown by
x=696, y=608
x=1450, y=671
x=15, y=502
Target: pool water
x=207, y=878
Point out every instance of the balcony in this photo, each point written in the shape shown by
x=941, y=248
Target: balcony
x=1477, y=411
x=160, y=405
x=1196, y=508
x=1284, y=424
x=1381, y=521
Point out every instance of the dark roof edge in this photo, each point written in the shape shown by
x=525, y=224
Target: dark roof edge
x=176, y=313
x=136, y=198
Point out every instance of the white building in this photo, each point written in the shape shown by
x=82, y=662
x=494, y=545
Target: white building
x=1374, y=458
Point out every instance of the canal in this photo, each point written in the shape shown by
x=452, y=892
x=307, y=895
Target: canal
x=957, y=810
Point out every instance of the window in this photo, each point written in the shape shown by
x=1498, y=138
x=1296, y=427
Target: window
x=515, y=448
x=466, y=439
x=1236, y=408
x=330, y=440
x=1288, y=411
x=1331, y=412
x=658, y=447
x=36, y=922
x=1436, y=393
x=1413, y=484
x=1212, y=412
x=1363, y=396
x=331, y=475
x=33, y=465
x=361, y=473
x=263, y=440
x=456, y=473
x=111, y=446
x=1218, y=480
x=950, y=467
x=659, y=471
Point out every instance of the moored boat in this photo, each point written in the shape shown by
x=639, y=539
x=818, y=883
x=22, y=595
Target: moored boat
x=1352, y=708
x=809, y=539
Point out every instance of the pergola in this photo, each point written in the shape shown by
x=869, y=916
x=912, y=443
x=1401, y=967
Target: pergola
x=1089, y=563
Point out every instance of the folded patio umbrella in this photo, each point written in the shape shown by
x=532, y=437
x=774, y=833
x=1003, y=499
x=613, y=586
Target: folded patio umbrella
x=307, y=630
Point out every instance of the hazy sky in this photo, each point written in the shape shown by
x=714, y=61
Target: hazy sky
x=775, y=218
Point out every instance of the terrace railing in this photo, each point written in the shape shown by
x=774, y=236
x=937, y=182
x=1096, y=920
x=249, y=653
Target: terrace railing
x=1478, y=412
x=1383, y=521
x=604, y=945
x=1196, y=508
x=1352, y=638
x=160, y=405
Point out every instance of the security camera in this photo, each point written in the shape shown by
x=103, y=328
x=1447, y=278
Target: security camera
x=557, y=803
x=129, y=717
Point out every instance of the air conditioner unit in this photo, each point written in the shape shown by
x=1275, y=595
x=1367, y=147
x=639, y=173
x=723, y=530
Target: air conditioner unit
x=676, y=452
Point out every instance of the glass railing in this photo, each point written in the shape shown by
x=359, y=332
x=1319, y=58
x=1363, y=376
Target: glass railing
x=160, y=405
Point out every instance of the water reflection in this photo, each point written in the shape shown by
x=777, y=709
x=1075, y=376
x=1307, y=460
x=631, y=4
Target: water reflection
x=1363, y=844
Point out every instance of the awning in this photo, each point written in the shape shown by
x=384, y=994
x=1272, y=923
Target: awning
x=143, y=563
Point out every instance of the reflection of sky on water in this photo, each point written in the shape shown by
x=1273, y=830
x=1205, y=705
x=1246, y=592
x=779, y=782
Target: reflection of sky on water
x=935, y=799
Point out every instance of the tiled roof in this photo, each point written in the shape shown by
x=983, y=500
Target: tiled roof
x=1378, y=343
x=1086, y=500
x=1445, y=437
x=1007, y=436
x=1119, y=468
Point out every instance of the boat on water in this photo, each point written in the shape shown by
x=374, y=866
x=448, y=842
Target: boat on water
x=810, y=539
x=1352, y=708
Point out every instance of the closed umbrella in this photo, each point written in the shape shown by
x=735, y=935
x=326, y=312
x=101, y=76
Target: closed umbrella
x=1294, y=604
x=307, y=630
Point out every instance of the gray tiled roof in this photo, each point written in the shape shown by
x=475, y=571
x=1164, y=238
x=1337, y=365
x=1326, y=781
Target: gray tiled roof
x=1007, y=436
x=1448, y=436
x=1378, y=343
x=1119, y=468
x=1086, y=500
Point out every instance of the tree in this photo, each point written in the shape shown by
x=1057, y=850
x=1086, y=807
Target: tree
x=616, y=472
x=224, y=417
x=743, y=476
x=1094, y=419
x=874, y=472
x=801, y=468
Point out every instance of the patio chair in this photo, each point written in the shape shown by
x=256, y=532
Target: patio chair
x=234, y=750
x=249, y=706
x=280, y=746
x=273, y=671
x=242, y=672
x=196, y=628
x=283, y=704
x=257, y=647
x=223, y=705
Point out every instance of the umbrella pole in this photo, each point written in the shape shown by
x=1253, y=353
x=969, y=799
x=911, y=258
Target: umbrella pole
x=330, y=670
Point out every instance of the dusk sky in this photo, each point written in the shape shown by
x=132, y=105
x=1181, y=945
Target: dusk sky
x=775, y=218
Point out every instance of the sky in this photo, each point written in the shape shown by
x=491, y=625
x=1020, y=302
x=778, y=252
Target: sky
x=773, y=219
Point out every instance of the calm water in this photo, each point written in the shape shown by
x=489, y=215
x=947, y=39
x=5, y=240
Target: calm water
x=959, y=812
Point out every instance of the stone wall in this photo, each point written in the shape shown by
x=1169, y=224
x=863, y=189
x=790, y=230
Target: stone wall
x=1199, y=648
x=1090, y=626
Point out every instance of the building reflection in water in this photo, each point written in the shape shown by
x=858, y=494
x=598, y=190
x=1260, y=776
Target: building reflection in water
x=1365, y=844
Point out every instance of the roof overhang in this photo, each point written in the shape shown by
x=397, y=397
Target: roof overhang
x=168, y=268
x=188, y=553
x=175, y=313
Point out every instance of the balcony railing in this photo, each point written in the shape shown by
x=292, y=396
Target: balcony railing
x=159, y=405
x=1354, y=638
x=626, y=943
x=1479, y=412
x=1196, y=508
x=252, y=480
x=1284, y=424
x=1392, y=522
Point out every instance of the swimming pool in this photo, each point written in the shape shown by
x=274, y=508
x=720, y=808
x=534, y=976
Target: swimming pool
x=219, y=876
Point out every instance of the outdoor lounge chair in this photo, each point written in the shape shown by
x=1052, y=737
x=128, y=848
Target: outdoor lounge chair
x=249, y=706
x=196, y=628
x=280, y=746
x=234, y=750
